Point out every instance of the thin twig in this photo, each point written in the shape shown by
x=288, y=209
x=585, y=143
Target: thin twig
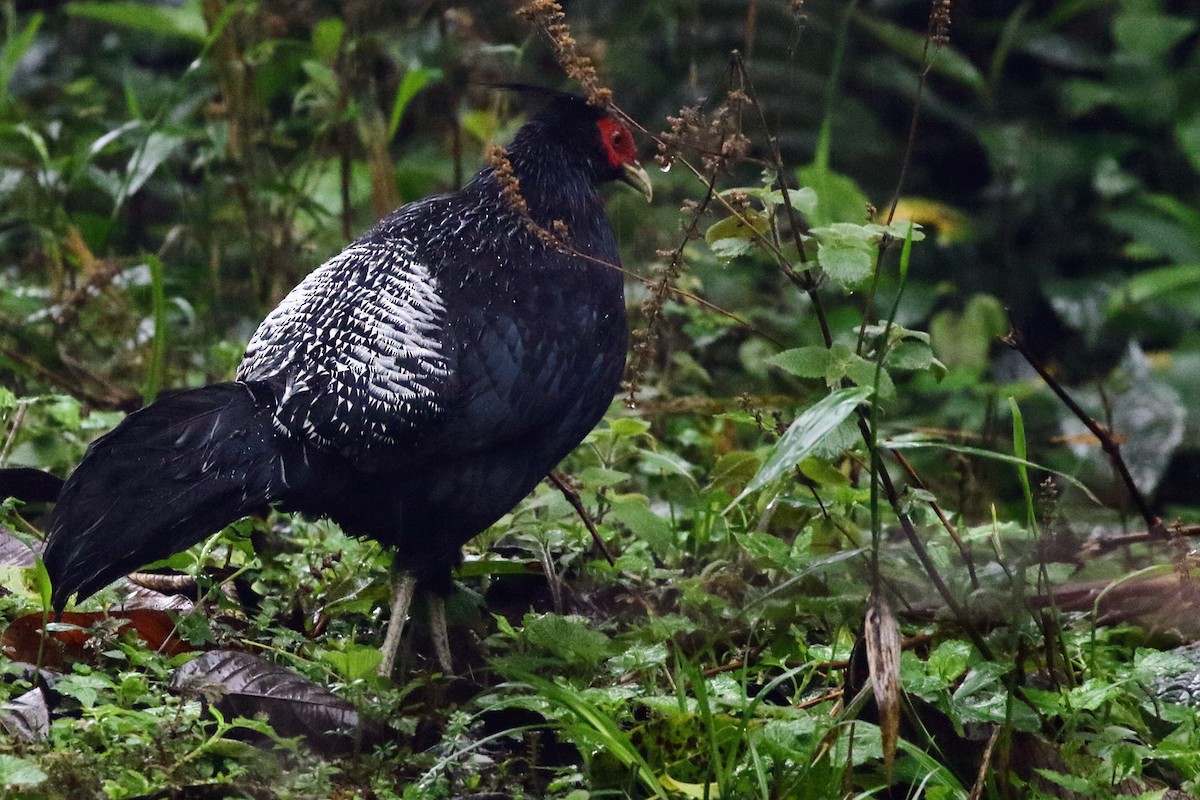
x=927, y=563
x=1108, y=442
x=569, y=492
x=963, y=550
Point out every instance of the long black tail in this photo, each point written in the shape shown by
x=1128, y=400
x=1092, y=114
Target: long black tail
x=169, y=475
x=29, y=485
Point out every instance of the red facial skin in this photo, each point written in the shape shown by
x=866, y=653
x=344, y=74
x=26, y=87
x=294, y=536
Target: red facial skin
x=617, y=141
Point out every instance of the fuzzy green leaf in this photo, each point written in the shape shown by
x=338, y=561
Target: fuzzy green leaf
x=805, y=435
x=846, y=253
x=804, y=362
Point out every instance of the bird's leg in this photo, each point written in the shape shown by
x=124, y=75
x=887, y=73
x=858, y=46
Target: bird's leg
x=438, y=633
x=401, y=600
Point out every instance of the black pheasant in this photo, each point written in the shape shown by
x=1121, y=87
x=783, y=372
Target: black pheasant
x=412, y=389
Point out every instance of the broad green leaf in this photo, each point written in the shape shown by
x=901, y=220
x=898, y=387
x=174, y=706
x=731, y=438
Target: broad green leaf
x=964, y=339
x=804, y=362
x=846, y=253
x=183, y=22
x=950, y=659
x=321, y=76
x=666, y=462
x=862, y=373
x=1150, y=33
x=633, y=512
x=822, y=472
x=838, y=197
x=736, y=467
x=910, y=354
x=482, y=124
x=572, y=638
x=805, y=435
x=17, y=772
x=356, y=662
x=598, y=477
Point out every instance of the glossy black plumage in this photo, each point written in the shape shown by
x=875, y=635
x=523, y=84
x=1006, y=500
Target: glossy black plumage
x=412, y=389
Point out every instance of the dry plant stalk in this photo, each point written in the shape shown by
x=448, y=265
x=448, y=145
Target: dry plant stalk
x=548, y=17
x=716, y=136
x=510, y=189
x=881, y=632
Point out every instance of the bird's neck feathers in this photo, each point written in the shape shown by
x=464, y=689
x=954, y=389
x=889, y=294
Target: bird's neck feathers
x=557, y=182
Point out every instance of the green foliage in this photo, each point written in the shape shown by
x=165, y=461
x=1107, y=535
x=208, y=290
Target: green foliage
x=170, y=170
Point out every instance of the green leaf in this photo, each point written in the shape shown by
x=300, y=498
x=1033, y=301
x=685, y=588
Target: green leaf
x=1153, y=283
x=666, y=462
x=899, y=229
x=951, y=659
x=838, y=197
x=736, y=467
x=14, y=50
x=734, y=236
x=604, y=732
x=633, y=512
x=1072, y=783
x=184, y=22
x=862, y=373
x=572, y=638
x=327, y=39
x=1150, y=33
x=599, y=477
x=356, y=662
x=414, y=80
x=847, y=252
x=804, y=436
x=1187, y=133
x=803, y=200
x=16, y=772
x=910, y=354
x=964, y=339
x=804, y=362
x=147, y=158
x=321, y=76
x=626, y=427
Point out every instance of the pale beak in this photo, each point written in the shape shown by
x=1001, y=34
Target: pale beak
x=635, y=176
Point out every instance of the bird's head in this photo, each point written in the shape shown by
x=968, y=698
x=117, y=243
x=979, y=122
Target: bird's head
x=593, y=135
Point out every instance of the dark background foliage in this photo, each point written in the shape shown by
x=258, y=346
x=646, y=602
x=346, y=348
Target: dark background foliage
x=168, y=170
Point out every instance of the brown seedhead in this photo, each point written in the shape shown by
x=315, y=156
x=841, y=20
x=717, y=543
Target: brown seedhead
x=548, y=17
